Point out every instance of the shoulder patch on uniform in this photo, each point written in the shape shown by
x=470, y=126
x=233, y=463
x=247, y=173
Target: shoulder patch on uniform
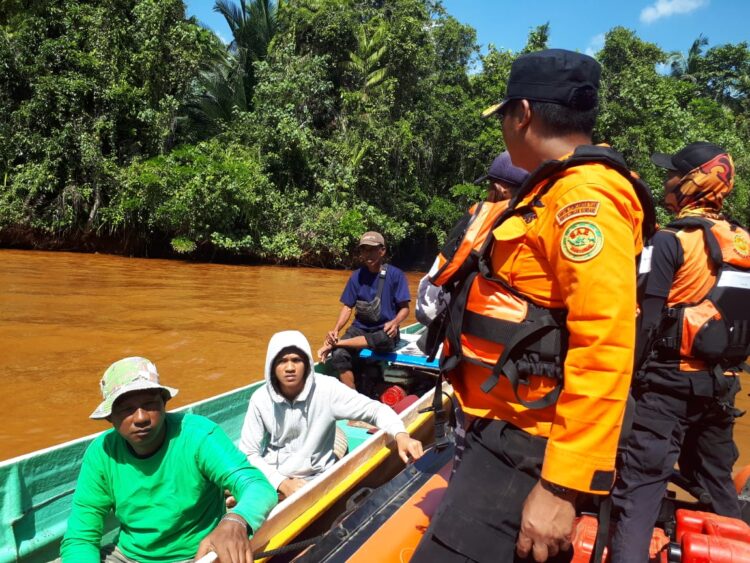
x=741, y=245
x=582, y=241
x=577, y=209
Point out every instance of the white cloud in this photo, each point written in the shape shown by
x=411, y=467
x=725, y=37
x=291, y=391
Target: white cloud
x=666, y=8
x=596, y=43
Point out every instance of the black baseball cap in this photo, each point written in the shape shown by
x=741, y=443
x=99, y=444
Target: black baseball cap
x=557, y=76
x=502, y=169
x=689, y=158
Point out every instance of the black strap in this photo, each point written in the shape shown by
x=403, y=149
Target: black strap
x=441, y=418
x=498, y=331
x=381, y=280
x=714, y=249
x=454, y=322
x=287, y=548
x=602, y=530
x=507, y=367
x=721, y=385
x=435, y=334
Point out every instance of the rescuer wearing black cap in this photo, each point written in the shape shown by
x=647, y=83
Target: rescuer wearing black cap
x=692, y=342
x=539, y=306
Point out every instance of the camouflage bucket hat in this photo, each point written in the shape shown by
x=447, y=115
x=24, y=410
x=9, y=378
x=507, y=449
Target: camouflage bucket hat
x=124, y=376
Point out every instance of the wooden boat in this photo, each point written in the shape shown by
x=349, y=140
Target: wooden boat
x=36, y=489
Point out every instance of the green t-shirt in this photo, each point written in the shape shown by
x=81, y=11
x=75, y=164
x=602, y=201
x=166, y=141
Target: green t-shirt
x=168, y=502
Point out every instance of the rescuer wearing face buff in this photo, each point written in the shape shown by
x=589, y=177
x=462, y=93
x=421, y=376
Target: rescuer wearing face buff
x=693, y=339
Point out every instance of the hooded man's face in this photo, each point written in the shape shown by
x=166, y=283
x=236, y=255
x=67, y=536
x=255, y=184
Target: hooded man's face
x=289, y=371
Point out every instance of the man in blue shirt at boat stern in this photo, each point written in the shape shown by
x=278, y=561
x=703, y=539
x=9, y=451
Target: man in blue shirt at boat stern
x=163, y=475
x=379, y=296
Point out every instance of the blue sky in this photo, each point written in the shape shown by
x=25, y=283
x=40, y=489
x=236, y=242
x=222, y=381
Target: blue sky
x=579, y=24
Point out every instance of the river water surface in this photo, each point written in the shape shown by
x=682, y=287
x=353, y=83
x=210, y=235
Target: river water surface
x=65, y=317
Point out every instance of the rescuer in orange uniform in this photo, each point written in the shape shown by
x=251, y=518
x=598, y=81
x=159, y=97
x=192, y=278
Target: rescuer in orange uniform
x=684, y=401
x=568, y=248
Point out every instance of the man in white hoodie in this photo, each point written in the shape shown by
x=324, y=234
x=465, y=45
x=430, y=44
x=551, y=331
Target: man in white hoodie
x=290, y=426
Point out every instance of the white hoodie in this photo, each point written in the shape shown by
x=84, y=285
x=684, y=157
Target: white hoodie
x=295, y=438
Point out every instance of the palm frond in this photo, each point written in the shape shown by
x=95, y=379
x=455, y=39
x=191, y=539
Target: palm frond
x=376, y=77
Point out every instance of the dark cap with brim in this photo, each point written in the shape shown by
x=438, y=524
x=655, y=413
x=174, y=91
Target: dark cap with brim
x=503, y=170
x=372, y=238
x=689, y=158
x=555, y=76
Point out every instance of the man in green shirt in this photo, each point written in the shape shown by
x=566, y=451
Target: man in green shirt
x=163, y=474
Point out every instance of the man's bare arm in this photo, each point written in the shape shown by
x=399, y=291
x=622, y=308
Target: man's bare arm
x=333, y=335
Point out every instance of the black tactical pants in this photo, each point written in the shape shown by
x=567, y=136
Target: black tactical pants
x=690, y=430
x=480, y=515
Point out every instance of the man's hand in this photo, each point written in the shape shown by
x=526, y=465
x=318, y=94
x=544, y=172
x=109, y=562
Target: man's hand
x=546, y=524
x=325, y=351
x=391, y=328
x=409, y=449
x=290, y=485
x=229, y=541
x=332, y=337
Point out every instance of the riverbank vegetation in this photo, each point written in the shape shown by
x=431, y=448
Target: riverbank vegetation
x=126, y=127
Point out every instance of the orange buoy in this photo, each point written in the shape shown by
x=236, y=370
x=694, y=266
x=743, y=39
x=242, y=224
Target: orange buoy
x=700, y=548
x=724, y=526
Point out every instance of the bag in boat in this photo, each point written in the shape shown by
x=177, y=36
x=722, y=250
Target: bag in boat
x=368, y=312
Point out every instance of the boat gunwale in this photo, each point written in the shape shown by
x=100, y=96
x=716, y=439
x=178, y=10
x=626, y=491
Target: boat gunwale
x=24, y=457
x=289, y=522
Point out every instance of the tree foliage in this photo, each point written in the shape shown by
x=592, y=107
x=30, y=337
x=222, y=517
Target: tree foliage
x=123, y=120
x=85, y=88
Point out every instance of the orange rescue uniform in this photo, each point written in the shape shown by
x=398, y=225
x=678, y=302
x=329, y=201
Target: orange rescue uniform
x=540, y=258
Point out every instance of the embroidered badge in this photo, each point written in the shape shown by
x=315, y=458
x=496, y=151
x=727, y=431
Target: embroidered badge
x=741, y=245
x=582, y=241
x=577, y=209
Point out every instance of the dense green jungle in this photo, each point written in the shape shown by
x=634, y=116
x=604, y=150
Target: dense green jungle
x=126, y=127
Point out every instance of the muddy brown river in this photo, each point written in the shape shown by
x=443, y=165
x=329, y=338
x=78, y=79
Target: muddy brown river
x=64, y=317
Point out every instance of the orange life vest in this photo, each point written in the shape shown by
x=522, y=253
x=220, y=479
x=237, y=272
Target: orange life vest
x=460, y=253
x=716, y=328
x=491, y=324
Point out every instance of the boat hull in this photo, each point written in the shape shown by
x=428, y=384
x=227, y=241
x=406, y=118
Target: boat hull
x=36, y=490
